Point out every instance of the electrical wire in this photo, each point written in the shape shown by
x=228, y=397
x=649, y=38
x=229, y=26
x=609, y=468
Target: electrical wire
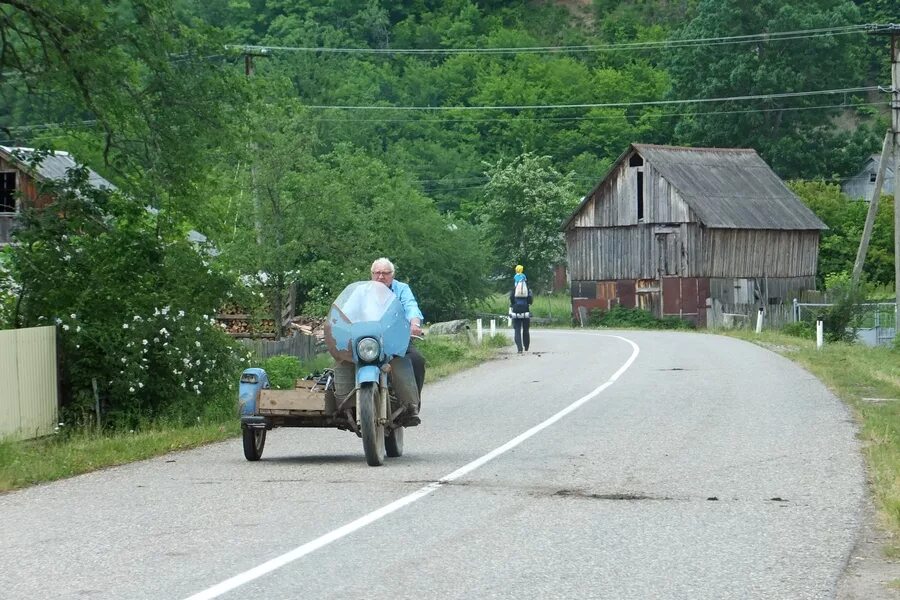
x=870, y=88
x=627, y=46
x=607, y=117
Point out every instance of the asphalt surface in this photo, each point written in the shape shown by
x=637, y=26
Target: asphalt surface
x=706, y=467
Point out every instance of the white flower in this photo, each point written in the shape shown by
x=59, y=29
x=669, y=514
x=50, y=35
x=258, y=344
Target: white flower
x=124, y=360
x=197, y=344
x=65, y=327
x=156, y=340
x=140, y=385
x=163, y=331
x=131, y=389
x=197, y=329
x=180, y=313
x=144, y=342
x=78, y=328
x=58, y=321
x=138, y=318
x=73, y=316
x=124, y=325
x=165, y=310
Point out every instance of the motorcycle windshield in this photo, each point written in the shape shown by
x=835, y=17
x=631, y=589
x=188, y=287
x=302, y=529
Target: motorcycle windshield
x=364, y=301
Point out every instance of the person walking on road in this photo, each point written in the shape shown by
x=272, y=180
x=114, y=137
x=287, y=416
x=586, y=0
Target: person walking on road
x=520, y=299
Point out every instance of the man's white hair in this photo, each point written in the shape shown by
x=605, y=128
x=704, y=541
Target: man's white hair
x=383, y=262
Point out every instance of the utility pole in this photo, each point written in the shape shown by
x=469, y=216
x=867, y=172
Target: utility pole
x=893, y=29
x=249, y=70
x=873, y=207
x=895, y=127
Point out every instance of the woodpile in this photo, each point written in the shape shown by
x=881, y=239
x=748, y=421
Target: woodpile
x=314, y=326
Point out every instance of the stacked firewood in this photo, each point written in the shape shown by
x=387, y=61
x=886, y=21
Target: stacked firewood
x=314, y=326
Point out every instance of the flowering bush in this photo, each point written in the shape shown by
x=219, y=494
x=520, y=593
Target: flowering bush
x=133, y=300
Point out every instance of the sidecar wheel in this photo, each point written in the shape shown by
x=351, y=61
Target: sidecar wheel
x=254, y=442
x=372, y=432
x=393, y=443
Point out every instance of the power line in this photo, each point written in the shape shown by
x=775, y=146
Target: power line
x=609, y=117
x=870, y=88
x=629, y=46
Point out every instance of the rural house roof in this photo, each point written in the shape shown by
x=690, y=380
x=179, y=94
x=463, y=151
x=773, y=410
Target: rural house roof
x=53, y=167
x=730, y=188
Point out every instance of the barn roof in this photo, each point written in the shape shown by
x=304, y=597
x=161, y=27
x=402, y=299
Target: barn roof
x=726, y=188
x=53, y=167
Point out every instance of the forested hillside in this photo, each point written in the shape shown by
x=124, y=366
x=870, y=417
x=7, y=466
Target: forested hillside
x=307, y=137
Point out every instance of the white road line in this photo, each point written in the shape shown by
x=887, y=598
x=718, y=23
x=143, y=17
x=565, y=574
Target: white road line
x=309, y=547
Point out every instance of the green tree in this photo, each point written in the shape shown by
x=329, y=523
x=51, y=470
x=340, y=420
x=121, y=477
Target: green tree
x=845, y=219
x=525, y=202
x=134, y=309
x=797, y=143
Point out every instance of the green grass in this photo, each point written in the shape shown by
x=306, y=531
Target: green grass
x=544, y=306
x=59, y=456
x=24, y=463
x=868, y=380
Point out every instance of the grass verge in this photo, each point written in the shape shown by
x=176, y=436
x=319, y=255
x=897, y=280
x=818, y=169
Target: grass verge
x=868, y=380
x=24, y=463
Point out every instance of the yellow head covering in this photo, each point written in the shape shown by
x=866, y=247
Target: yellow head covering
x=519, y=268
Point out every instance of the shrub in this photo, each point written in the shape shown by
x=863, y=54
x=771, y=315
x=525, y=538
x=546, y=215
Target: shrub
x=133, y=301
x=283, y=370
x=618, y=316
x=842, y=319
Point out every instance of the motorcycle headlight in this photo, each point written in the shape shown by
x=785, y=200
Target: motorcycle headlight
x=368, y=349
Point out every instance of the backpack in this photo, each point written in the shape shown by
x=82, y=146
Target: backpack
x=521, y=290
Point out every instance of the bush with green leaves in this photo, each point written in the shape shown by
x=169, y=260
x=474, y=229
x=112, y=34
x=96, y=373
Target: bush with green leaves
x=133, y=300
x=619, y=316
x=842, y=319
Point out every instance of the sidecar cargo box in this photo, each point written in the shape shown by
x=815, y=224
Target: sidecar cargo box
x=303, y=399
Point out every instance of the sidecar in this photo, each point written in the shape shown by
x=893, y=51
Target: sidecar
x=311, y=403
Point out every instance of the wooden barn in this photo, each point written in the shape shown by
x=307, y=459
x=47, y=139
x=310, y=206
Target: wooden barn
x=696, y=233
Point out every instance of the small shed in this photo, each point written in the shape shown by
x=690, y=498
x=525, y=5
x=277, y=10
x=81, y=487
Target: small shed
x=696, y=233
x=20, y=182
x=861, y=185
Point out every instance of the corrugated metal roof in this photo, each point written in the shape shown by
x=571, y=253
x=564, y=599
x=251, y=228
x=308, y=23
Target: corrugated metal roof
x=730, y=188
x=53, y=167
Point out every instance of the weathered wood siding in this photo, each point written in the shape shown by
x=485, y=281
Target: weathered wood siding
x=754, y=290
x=759, y=253
x=643, y=251
x=615, y=204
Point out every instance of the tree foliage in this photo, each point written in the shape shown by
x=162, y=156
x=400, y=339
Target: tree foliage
x=525, y=202
x=796, y=141
x=134, y=309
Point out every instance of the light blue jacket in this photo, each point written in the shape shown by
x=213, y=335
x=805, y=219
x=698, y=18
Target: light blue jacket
x=408, y=300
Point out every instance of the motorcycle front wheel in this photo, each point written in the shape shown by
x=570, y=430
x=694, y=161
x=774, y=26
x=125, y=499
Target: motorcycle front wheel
x=372, y=431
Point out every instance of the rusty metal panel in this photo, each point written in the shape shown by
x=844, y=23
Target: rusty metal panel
x=625, y=290
x=9, y=380
x=671, y=295
x=28, y=365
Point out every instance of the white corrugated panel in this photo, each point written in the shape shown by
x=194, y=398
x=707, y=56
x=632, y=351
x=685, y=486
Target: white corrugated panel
x=37, y=380
x=9, y=384
x=28, y=393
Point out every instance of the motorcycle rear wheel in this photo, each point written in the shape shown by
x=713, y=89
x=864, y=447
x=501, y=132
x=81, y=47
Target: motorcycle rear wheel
x=393, y=443
x=372, y=431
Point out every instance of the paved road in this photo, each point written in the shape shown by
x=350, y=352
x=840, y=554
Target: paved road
x=687, y=466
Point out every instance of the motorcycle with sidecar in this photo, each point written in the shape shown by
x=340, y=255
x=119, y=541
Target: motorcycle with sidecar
x=371, y=390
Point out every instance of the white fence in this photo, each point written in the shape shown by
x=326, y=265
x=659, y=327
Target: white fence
x=28, y=386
